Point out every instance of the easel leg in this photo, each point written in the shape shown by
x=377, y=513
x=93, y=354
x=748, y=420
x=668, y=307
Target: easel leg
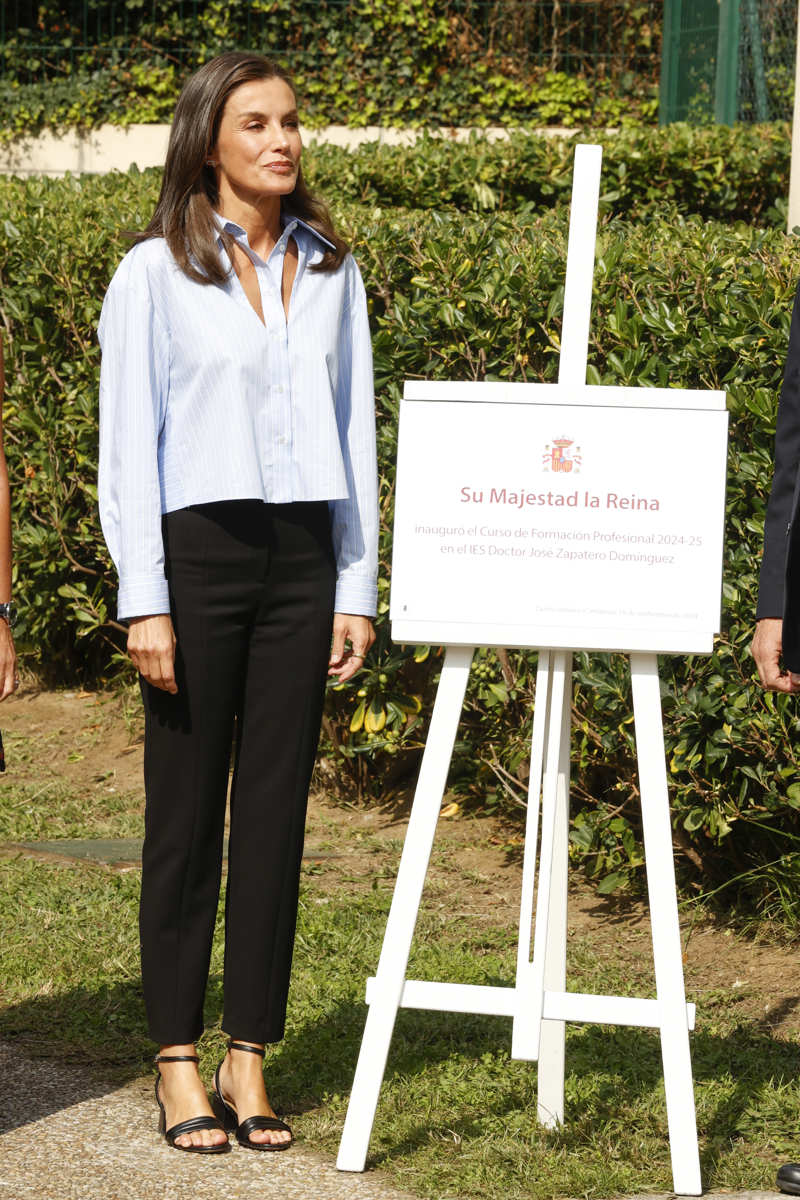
x=667, y=955
x=550, y=1099
x=391, y=973
x=526, y=1029
x=532, y=1038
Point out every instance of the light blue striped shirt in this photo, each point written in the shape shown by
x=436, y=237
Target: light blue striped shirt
x=201, y=402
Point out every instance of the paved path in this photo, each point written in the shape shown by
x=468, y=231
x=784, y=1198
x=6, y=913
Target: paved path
x=64, y=1139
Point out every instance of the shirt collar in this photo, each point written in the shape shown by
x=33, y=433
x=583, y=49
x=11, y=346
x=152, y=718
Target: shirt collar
x=288, y=221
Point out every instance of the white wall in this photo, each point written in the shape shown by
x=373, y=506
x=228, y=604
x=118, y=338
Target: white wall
x=116, y=148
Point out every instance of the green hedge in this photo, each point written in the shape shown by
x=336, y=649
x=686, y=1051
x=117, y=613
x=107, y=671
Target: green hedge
x=717, y=171
x=394, y=62
x=456, y=296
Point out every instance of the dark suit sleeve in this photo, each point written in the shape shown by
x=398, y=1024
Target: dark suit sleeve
x=780, y=508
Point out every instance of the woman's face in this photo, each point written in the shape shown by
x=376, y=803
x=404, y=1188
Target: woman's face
x=258, y=148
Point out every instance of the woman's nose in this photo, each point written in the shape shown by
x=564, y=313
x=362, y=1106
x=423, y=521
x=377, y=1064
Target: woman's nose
x=279, y=137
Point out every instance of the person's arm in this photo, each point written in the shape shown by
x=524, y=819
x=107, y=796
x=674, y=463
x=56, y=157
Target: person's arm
x=354, y=522
x=768, y=639
x=133, y=388
x=8, y=657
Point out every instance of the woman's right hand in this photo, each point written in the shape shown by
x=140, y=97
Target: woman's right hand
x=151, y=646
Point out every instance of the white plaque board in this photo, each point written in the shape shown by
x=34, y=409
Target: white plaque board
x=550, y=516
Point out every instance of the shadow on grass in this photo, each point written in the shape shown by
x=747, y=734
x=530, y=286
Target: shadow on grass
x=62, y=1049
x=624, y=1065
x=83, y=1036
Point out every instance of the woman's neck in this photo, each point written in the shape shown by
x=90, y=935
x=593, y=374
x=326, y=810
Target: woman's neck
x=259, y=217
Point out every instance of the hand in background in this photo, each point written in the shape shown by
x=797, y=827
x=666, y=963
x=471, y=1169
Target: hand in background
x=8, y=661
x=766, y=650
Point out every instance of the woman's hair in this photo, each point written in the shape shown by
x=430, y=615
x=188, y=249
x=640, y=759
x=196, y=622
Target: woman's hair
x=184, y=215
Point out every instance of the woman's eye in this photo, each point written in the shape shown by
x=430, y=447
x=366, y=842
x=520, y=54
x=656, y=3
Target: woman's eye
x=254, y=125
x=293, y=123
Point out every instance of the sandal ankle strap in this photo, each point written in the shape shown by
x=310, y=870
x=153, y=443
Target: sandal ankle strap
x=232, y=1045
x=159, y=1058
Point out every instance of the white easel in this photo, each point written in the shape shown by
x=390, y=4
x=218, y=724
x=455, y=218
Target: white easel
x=539, y=1003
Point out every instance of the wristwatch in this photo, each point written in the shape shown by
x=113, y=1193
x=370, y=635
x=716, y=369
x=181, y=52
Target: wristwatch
x=9, y=613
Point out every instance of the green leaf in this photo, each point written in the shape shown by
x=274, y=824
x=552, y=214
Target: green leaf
x=611, y=883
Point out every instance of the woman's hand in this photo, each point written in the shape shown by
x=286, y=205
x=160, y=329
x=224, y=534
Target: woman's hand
x=346, y=660
x=8, y=661
x=151, y=646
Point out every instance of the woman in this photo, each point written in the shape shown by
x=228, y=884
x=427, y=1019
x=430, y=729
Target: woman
x=8, y=657
x=238, y=497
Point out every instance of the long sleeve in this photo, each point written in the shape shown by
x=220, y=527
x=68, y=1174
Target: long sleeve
x=355, y=519
x=201, y=402
x=780, y=509
x=133, y=386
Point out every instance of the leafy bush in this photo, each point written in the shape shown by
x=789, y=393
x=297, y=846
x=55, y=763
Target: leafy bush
x=383, y=62
x=52, y=278
x=683, y=302
x=453, y=296
x=720, y=172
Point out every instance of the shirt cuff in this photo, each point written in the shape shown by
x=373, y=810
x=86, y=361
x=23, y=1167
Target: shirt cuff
x=142, y=596
x=356, y=595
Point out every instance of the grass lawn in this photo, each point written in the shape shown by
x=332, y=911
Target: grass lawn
x=456, y=1116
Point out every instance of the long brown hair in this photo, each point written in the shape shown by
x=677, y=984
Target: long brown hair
x=184, y=215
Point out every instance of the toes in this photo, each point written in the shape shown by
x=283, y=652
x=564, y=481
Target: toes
x=203, y=1137
x=212, y=1137
x=272, y=1136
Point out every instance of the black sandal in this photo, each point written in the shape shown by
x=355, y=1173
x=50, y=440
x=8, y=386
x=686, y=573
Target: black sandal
x=194, y=1123
x=229, y=1118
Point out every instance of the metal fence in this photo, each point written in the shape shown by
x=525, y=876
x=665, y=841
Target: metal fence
x=597, y=39
x=766, y=59
x=728, y=60
x=723, y=59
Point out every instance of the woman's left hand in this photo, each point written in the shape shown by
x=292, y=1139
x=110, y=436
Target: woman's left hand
x=346, y=660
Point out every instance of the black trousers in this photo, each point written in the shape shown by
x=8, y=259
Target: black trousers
x=251, y=593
